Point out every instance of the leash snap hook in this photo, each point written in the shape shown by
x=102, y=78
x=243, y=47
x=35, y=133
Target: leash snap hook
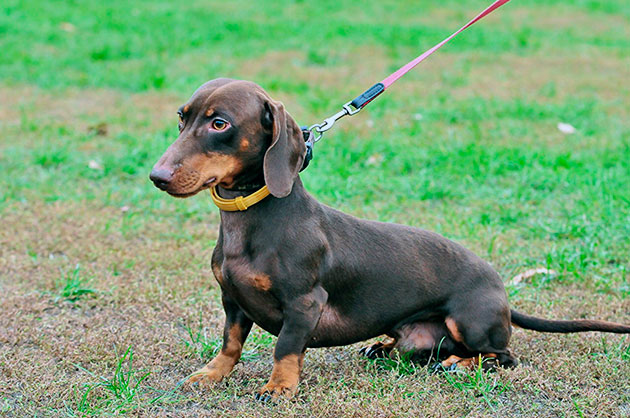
x=316, y=133
x=330, y=121
x=320, y=128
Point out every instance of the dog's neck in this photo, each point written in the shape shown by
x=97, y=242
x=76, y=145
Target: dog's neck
x=248, y=232
x=245, y=184
x=269, y=208
x=241, y=189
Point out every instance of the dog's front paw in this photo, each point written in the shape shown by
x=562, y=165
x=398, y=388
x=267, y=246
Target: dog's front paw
x=205, y=378
x=213, y=372
x=276, y=390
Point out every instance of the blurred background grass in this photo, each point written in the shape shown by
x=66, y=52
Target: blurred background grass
x=465, y=144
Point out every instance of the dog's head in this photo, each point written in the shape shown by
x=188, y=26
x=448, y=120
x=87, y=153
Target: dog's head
x=231, y=133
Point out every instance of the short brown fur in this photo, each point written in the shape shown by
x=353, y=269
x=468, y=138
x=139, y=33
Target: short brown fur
x=216, y=270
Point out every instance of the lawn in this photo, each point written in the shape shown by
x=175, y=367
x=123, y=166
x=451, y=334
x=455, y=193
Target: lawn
x=107, y=298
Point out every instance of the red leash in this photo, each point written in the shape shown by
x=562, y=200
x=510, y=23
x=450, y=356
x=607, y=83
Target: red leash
x=316, y=131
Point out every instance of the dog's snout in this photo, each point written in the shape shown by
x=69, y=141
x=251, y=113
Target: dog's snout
x=161, y=177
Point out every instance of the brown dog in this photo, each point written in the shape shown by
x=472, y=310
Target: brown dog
x=316, y=277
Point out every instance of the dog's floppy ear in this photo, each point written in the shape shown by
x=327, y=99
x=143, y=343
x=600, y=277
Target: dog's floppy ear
x=285, y=155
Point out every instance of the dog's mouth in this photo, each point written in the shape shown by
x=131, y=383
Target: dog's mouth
x=212, y=181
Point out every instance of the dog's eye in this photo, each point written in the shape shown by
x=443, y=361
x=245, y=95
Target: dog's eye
x=180, y=124
x=219, y=124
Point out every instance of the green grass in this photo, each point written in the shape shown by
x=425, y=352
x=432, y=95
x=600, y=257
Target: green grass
x=119, y=393
x=401, y=364
x=478, y=383
x=466, y=145
x=199, y=341
x=72, y=286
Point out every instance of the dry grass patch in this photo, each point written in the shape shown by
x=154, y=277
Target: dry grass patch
x=59, y=356
x=94, y=112
x=550, y=77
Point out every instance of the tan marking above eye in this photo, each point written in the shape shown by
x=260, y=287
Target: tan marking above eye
x=262, y=282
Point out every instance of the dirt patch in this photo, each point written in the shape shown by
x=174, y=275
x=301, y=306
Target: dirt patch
x=565, y=18
x=85, y=110
x=551, y=77
x=329, y=68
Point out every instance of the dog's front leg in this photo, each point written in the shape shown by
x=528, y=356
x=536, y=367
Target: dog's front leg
x=235, y=331
x=301, y=316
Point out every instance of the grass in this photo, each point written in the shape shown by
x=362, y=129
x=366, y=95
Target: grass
x=199, y=342
x=206, y=347
x=116, y=393
x=466, y=145
x=400, y=363
x=478, y=384
x=72, y=286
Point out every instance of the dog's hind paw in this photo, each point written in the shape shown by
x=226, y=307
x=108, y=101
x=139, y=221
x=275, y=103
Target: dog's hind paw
x=377, y=350
x=438, y=367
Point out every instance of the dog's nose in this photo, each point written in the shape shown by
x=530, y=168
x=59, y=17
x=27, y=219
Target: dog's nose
x=161, y=177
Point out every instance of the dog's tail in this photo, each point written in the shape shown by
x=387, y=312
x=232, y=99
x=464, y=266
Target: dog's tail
x=579, y=325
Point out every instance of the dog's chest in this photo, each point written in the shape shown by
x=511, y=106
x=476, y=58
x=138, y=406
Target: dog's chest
x=241, y=275
x=251, y=289
x=242, y=266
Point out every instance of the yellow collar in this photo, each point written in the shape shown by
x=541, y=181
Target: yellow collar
x=240, y=203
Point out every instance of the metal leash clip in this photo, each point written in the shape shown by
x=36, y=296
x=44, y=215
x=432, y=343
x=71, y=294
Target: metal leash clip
x=314, y=133
x=351, y=108
x=320, y=128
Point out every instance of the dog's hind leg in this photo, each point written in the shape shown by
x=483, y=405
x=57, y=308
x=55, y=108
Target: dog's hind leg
x=418, y=338
x=427, y=341
x=480, y=324
x=423, y=340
